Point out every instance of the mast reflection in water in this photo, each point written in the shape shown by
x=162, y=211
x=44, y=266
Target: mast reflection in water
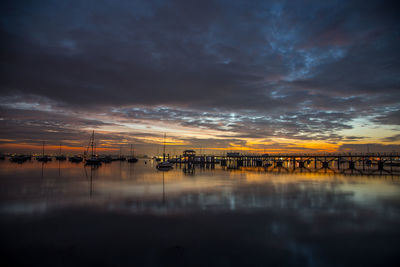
x=61, y=213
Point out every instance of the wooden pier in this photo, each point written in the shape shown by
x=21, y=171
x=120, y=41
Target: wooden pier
x=363, y=163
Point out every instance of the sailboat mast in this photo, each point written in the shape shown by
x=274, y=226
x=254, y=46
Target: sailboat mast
x=92, y=144
x=164, y=149
x=43, y=149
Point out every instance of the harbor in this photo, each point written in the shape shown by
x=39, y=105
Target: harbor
x=340, y=163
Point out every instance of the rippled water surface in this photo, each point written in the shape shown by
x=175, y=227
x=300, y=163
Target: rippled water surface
x=65, y=214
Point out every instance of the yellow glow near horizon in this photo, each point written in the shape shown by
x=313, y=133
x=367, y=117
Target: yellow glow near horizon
x=150, y=133
x=372, y=133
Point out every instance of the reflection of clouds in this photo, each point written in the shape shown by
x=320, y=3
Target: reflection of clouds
x=116, y=187
x=315, y=219
x=298, y=197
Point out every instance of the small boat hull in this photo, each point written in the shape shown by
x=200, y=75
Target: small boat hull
x=43, y=159
x=93, y=162
x=132, y=160
x=61, y=158
x=76, y=159
x=164, y=166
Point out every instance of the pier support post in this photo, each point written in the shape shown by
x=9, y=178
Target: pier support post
x=380, y=165
x=351, y=164
x=301, y=164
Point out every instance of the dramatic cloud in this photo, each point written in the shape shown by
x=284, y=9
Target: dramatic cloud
x=258, y=71
x=365, y=148
x=393, y=138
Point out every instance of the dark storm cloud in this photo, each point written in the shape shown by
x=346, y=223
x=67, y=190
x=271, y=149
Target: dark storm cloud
x=391, y=118
x=300, y=70
x=130, y=59
x=34, y=126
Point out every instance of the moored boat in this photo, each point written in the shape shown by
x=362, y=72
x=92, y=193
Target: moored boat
x=19, y=158
x=60, y=157
x=93, y=160
x=132, y=158
x=75, y=159
x=165, y=165
x=106, y=159
x=43, y=157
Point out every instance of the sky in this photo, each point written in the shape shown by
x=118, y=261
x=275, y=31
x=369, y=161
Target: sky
x=216, y=76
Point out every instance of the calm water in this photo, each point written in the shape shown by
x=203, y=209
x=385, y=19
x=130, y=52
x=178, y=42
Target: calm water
x=122, y=214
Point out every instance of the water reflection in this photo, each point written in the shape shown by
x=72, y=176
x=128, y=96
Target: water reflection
x=190, y=188
x=194, y=215
x=163, y=188
x=89, y=177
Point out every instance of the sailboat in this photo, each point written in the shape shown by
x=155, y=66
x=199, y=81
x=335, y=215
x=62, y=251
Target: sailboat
x=60, y=157
x=93, y=160
x=43, y=158
x=19, y=158
x=121, y=157
x=76, y=159
x=132, y=158
x=165, y=165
